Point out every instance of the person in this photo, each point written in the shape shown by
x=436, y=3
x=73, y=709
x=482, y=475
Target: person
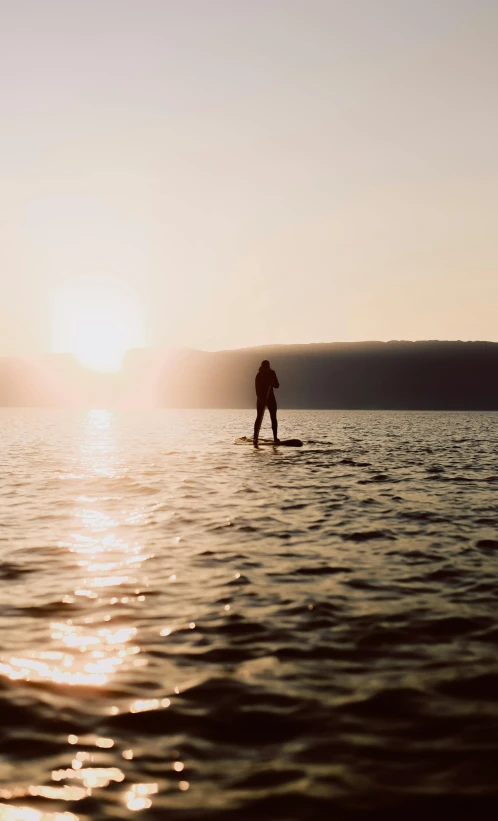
x=266, y=380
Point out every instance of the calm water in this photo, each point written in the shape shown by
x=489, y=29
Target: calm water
x=196, y=630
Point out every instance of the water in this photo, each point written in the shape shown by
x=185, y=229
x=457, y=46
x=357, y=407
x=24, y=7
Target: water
x=194, y=630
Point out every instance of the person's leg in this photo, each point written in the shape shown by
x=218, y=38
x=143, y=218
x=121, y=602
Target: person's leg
x=272, y=407
x=260, y=412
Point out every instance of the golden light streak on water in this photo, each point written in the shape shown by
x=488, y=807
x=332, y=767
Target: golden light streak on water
x=142, y=705
x=91, y=777
x=105, y=743
x=67, y=668
x=29, y=814
x=23, y=669
x=84, y=755
x=137, y=797
x=65, y=793
x=98, y=448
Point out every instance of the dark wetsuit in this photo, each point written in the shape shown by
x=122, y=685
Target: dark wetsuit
x=266, y=380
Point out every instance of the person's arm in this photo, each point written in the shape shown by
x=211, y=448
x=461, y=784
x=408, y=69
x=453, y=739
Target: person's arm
x=274, y=383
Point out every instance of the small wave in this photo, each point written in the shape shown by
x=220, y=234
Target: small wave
x=321, y=571
x=488, y=544
x=379, y=477
x=10, y=571
x=480, y=687
x=297, y=506
x=403, y=702
x=422, y=516
x=368, y=535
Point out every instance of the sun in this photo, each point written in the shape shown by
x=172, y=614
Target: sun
x=99, y=344
x=97, y=323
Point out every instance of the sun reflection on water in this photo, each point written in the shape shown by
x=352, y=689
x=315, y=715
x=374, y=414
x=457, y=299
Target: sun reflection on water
x=137, y=797
x=10, y=813
x=107, y=562
x=105, y=578
x=98, y=447
x=101, y=653
x=91, y=777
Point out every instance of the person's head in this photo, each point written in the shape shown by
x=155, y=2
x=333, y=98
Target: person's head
x=265, y=365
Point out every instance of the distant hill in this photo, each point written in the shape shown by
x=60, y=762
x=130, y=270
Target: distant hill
x=366, y=375
x=373, y=375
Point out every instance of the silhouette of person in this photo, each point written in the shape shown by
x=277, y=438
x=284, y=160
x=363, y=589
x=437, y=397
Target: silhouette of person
x=266, y=380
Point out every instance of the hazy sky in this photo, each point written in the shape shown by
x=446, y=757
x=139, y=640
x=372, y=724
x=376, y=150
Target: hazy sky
x=223, y=173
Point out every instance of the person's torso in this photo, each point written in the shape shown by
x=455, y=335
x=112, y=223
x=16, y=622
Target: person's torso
x=264, y=385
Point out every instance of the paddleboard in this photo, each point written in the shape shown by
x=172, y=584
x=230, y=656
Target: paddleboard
x=284, y=443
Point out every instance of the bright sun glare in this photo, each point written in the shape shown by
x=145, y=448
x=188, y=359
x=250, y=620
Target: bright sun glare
x=97, y=323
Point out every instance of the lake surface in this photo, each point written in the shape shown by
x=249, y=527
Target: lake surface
x=195, y=630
